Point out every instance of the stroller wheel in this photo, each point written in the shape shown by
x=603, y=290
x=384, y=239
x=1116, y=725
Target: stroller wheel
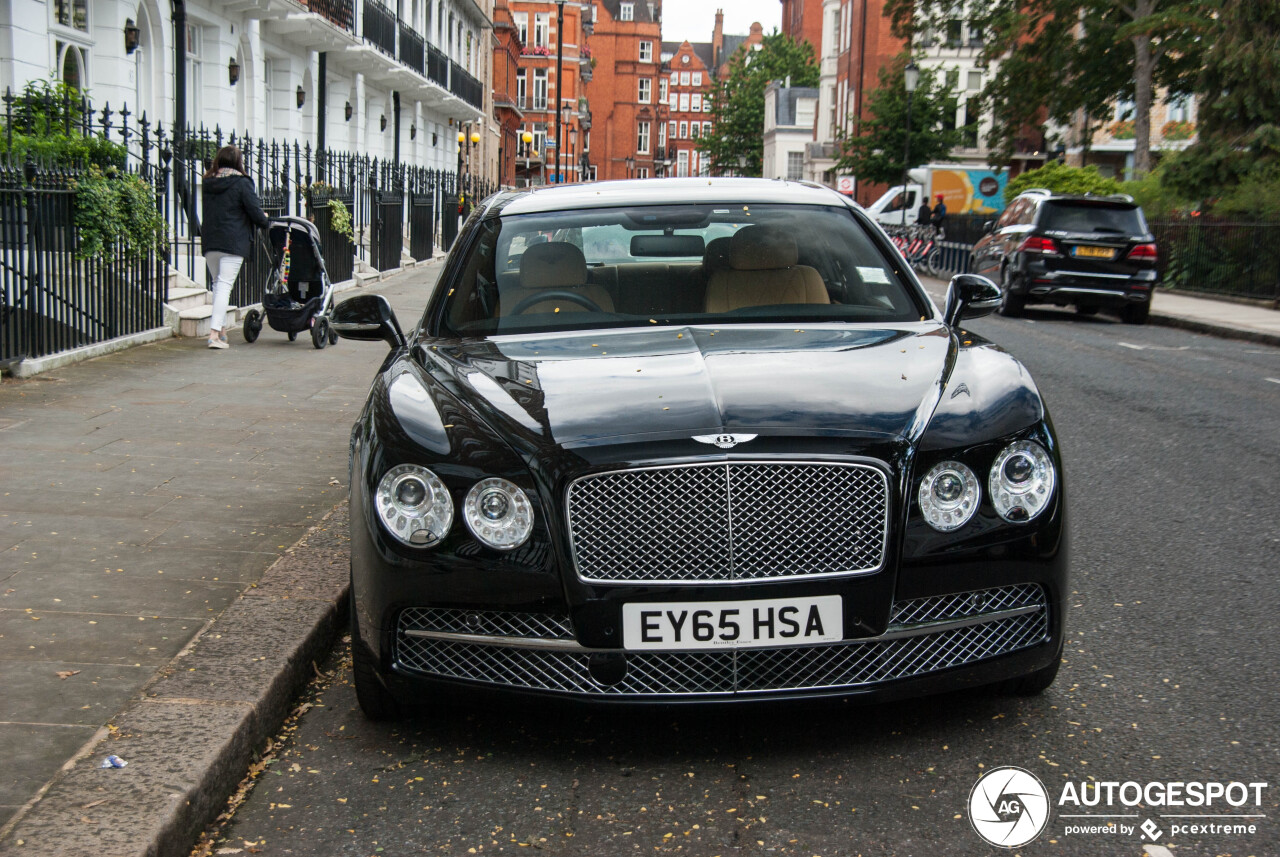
x=293, y=334
x=320, y=332
x=333, y=334
x=252, y=325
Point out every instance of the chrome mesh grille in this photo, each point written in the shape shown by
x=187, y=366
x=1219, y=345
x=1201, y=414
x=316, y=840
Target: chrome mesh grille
x=490, y=623
x=734, y=521
x=960, y=604
x=848, y=664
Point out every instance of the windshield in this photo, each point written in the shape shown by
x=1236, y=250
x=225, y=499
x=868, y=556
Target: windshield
x=678, y=264
x=1062, y=216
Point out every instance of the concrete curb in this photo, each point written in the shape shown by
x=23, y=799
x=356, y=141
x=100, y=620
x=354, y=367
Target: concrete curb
x=27, y=368
x=1219, y=330
x=195, y=730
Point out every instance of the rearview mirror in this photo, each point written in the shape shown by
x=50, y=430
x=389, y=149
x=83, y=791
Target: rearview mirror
x=970, y=296
x=987, y=225
x=368, y=318
x=667, y=245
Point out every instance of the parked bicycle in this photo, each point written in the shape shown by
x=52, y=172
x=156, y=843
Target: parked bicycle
x=921, y=246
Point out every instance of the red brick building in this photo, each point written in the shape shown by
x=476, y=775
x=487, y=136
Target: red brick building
x=686, y=85
x=507, y=114
x=540, y=94
x=802, y=21
x=627, y=118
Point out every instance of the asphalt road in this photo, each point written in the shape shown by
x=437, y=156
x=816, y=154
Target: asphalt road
x=1171, y=459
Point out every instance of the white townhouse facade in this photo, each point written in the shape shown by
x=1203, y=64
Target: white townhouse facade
x=373, y=77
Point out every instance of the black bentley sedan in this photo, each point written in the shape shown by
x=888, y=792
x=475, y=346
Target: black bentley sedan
x=697, y=440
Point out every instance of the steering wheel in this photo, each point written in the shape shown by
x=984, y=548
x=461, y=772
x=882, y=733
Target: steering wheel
x=556, y=294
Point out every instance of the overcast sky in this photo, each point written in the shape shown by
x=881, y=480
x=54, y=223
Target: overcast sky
x=695, y=19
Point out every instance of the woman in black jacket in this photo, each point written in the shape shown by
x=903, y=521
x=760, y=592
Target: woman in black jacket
x=231, y=210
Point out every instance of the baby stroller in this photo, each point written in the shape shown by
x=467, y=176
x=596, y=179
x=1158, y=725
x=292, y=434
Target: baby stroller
x=298, y=295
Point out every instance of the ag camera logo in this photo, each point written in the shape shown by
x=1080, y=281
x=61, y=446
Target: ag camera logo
x=1008, y=807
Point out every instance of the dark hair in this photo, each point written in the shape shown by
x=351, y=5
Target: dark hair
x=228, y=156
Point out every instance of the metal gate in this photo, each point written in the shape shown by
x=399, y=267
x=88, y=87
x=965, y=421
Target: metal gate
x=388, y=229
x=422, y=224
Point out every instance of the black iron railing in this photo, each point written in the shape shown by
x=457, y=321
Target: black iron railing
x=379, y=27
x=465, y=86
x=341, y=13
x=437, y=66
x=412, y=49
x=1226, y=258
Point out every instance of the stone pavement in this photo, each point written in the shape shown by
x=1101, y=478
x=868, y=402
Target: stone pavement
x=155, y=599
x=140, y=494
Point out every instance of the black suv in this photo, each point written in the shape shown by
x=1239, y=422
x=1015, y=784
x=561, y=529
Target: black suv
x=1093, y=252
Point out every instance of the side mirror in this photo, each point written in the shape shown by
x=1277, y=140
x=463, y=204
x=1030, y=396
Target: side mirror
x=367, y=317
x=987, y=225
x=970, y=296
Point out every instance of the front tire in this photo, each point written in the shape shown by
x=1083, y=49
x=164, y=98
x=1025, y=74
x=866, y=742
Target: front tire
x=252, y=325
x=375, y=700
x=320, y=332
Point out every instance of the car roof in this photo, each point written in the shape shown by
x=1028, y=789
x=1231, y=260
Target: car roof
x=570, y=197
x=1053, y=196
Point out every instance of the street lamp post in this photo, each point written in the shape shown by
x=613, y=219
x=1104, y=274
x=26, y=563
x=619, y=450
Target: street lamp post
x=573, y=152
x=912, y=77
x=631, y=165
x=566, y=113
x=559, y=78
x=526, y=140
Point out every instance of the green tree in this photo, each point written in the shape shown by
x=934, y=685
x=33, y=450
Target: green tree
x=1237, y=155
x=1061, y=58
x=1060, y=178
x=875, y=151
x=737, y=102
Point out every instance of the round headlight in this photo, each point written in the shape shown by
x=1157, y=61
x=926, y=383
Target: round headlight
x=414, y=505
x=949, y=496
x=498, y=514
x=1021, y=481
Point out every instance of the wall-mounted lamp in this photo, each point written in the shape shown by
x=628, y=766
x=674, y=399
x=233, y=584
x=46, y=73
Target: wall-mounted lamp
x=346, y=111
x=435, y=138
x=462, y=138
x=382, y=122
x=413, y=132
x=475, y=137
x=131, y=34
x=302, y=96
x=233, y=71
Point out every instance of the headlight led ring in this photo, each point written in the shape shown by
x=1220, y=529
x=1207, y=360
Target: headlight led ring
x=949, y=495
x=414, y=505
x=498, y=514
x=1021, y=481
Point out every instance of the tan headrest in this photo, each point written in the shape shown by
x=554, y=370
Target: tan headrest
x=554, y=265
x=716, y=256
x=757, y=248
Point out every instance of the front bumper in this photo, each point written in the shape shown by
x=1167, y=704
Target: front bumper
x=933, y=638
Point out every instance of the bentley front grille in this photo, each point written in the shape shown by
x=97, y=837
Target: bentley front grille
x=729, y=522
x=926, y=635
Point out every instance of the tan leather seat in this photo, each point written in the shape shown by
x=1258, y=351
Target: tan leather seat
x=763, y=271
x=553, y=265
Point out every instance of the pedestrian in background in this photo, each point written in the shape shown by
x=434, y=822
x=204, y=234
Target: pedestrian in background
x=231, y=209
x=924, y=214
x=939, y=215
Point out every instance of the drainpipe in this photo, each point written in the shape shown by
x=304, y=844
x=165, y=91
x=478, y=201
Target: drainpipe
x=322, y=91
x=395, y=119
x=185, y=196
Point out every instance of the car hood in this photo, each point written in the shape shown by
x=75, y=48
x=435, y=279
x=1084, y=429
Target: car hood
x=577, y=390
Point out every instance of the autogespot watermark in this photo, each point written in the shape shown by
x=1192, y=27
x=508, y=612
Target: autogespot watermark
x=1010, y=806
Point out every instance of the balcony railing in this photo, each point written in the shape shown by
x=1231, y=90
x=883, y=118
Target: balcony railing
x=437, y=66
x=412, y=49
x=380, y=27
x=465, y=86
x=340, y=13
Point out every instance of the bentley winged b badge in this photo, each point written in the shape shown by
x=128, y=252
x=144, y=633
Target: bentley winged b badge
x=724, y=441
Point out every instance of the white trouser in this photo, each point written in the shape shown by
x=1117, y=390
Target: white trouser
x=223, y=270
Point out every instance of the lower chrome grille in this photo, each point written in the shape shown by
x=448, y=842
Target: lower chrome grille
x=978, y=625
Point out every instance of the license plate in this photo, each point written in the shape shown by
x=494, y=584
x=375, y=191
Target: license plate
x=732, y=624
x=1094, y=252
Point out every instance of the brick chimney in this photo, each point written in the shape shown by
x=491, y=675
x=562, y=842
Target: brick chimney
x=717, y=39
